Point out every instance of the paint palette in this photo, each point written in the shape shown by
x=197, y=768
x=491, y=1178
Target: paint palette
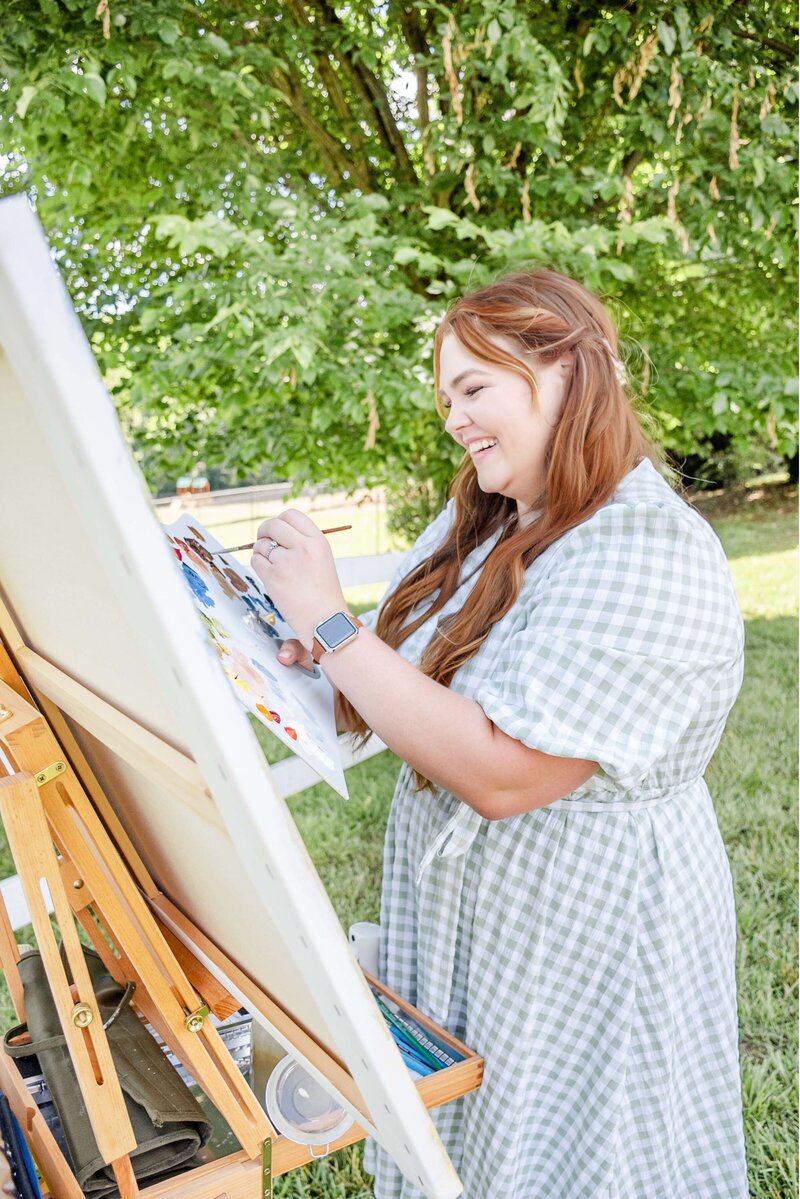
x=245, y=631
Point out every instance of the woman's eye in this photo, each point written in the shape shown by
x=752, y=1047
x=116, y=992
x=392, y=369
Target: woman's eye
x=473, y=390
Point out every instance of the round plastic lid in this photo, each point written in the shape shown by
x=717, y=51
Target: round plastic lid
x=301, y=1109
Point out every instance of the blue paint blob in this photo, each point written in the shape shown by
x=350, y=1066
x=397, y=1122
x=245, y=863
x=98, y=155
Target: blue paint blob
x=267, y=673
x=199, y=589
x=274, y=685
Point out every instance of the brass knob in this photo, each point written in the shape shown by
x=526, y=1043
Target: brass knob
x=195, y=1020
x=82, y=1015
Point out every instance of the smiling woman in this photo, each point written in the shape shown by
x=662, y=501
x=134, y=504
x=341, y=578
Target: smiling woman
x=554, y=662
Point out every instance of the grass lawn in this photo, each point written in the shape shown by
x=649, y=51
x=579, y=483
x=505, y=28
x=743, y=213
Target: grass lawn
x=753, y=781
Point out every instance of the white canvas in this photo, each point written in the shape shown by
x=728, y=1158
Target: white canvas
x=246, y=631
x=88, y=577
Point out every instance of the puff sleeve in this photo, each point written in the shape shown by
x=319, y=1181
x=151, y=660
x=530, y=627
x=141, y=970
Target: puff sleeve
x=630, y=642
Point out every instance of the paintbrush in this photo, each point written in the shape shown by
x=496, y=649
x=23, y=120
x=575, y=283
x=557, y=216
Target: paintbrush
x=234, y=548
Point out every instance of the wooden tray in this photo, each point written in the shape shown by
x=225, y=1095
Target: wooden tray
x=236, y=1176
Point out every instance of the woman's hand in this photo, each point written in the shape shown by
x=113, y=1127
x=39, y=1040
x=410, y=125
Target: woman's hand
x=293, y=559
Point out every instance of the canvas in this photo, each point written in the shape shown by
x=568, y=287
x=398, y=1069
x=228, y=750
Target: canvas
x=89, y=579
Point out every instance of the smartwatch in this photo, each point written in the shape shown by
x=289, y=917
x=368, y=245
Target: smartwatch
x=333, y=633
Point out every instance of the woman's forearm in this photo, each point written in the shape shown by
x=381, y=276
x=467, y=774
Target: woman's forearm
x=445, y=736
x=439, y=733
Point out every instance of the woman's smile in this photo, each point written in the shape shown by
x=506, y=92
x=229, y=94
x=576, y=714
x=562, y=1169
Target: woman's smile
x=480, y=447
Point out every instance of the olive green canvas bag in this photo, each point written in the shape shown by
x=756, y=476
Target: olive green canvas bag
x=168, y=1122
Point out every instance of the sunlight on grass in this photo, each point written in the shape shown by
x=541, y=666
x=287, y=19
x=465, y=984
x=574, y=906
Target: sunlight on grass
x=763, y=562
x=767, y=585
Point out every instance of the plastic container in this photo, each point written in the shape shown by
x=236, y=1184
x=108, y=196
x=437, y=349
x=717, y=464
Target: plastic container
x=302, y=1110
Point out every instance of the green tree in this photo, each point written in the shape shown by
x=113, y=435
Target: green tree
x=262, y=208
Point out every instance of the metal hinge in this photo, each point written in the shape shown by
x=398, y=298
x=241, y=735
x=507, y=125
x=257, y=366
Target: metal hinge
x=50, y=772
x=266, y=1169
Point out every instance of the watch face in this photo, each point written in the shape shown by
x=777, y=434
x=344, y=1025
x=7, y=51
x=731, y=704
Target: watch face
x=336, y=629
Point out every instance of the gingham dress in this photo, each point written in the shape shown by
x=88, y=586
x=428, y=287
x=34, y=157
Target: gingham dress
x=586, y=948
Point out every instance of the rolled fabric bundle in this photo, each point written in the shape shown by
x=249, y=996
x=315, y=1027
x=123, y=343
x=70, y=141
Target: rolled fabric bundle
x=168, y=1122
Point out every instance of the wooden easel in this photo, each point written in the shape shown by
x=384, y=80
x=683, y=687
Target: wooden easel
x=43, y=803
x=50, y=798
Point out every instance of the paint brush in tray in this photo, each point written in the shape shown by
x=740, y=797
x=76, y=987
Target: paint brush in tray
x=235, y=548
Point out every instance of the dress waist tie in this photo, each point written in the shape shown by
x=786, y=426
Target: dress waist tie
x=461, y=829
x=454, y=839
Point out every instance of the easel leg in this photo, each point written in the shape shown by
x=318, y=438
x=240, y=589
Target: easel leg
x=60, y=1180
x=164, y=995
x=9, y=957
x=126, y=1179
x=32, y=847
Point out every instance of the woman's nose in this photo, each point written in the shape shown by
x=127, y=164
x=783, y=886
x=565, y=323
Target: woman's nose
x=457, y=419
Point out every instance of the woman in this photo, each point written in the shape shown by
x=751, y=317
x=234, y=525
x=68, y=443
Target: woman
x=554, y=663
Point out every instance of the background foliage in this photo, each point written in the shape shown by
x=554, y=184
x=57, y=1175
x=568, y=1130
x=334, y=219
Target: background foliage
x=262, y=207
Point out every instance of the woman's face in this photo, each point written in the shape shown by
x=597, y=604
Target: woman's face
x=492, y=413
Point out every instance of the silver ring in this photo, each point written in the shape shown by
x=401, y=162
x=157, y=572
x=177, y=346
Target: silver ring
x=272, y=547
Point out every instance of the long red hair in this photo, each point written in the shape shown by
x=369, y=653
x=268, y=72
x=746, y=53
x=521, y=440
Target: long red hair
x=597, y=441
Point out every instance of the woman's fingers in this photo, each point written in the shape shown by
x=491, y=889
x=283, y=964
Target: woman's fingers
x=288, y=528
x=280, y=530
x=293, y=653
x=300, y=521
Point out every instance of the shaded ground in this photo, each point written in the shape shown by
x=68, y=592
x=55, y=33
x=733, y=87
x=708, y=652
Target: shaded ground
x=752, y=500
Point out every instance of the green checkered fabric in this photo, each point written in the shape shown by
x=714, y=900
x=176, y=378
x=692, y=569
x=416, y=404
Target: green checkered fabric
x=586, y=948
